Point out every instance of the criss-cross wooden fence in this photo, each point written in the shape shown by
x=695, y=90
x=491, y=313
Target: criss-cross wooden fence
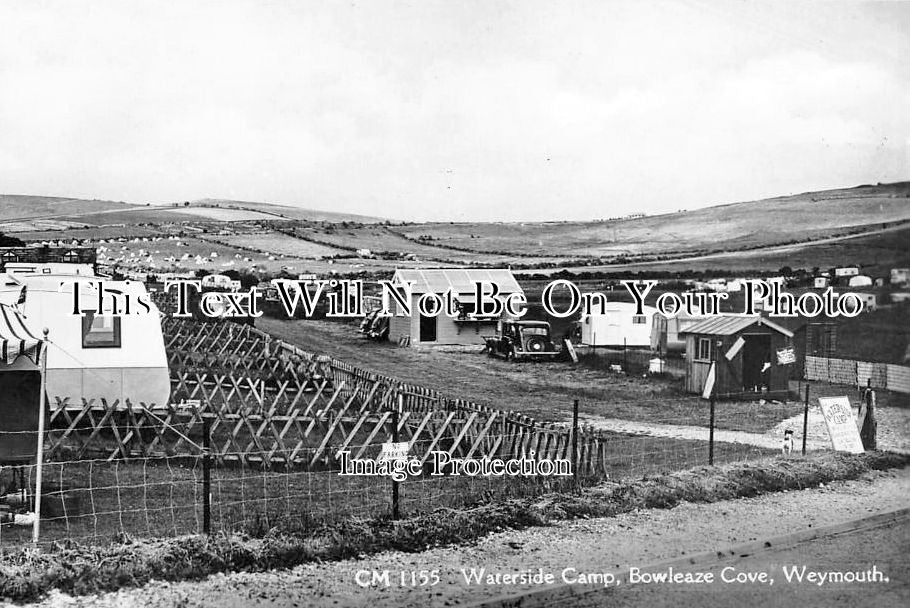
x=273, y=404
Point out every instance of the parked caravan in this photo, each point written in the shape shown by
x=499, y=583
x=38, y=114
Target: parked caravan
x=93, y=356
x=667, y=332
x=619, y=326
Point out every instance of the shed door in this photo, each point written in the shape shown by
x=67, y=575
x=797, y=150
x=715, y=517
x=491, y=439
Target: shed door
x=756, y=352
x=427, y=328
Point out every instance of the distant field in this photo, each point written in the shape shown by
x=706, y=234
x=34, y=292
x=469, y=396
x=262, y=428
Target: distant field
x=95, y=233
x=14, y=206
x=221, y=215
x=741, y=238
x=734, y=226
x=876, y=254
x=290, y=212
x=278, y=243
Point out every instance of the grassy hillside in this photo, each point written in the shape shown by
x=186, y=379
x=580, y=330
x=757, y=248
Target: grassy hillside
x=18, y=206
x=276, y=211
x=725, y=227
x=866, y=225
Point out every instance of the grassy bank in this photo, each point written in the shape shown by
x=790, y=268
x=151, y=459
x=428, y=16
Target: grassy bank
x=76, y=569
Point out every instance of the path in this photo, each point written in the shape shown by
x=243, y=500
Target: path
x=770, y=440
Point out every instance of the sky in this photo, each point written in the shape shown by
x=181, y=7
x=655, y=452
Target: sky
x=455, y=111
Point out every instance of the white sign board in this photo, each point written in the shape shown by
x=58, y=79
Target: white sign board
x=786, y=356
x=709, y=382
x=392, y=452
x=737, y=346
x=841, y=424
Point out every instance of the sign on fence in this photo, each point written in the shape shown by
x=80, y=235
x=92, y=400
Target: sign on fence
x=786, y=356
x=841, y=424
x=393, y=452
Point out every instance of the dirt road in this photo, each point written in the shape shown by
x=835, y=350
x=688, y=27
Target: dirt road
x=882, y=551
x=770, y=440
x=591, y=546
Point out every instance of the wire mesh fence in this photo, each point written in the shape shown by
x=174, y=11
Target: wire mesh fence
x=99, y=499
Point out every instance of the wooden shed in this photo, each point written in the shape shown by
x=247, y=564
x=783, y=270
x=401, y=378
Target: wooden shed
x=466, y=328
x=746, y=349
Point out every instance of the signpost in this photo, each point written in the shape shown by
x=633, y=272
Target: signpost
x=841, y=424
x=393, y=451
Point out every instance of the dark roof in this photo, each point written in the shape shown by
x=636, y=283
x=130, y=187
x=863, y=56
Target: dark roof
x=727, y=325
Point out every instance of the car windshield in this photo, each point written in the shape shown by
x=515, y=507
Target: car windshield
x=537, y=331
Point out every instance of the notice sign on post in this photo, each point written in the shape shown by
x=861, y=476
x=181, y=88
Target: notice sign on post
x=841, y=424
x=392, y=452
x=786, y=356
x=709, y=382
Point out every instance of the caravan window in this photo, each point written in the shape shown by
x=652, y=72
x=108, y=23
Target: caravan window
x=100, y=331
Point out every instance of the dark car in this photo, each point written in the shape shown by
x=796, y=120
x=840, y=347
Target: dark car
x=522, y=340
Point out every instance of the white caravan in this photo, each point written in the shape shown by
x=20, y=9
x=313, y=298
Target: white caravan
x=92, y=356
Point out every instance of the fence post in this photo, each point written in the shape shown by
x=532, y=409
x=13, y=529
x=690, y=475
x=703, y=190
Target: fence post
x=42, y=404
x=575, y=442
x=806, y=419
x=396, y=410
x=206, y=474
x=711, y=431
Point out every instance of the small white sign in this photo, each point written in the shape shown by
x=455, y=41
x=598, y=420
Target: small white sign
x=392, y=452
x=786, y=356
x=737, y=346
x=709, y=382
x=841, y=424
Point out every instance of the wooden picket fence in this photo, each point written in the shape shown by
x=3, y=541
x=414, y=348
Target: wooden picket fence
x=272, y=404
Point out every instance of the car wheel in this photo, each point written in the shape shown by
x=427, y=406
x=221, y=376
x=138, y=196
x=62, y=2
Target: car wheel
x=536, y=344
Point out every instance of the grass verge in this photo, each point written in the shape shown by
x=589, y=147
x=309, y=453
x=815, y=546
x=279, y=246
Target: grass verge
x=26, y=574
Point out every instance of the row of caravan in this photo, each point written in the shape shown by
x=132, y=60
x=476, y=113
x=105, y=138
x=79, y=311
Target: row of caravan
x=620, y=326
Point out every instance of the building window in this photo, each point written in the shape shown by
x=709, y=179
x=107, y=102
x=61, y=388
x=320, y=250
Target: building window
x=639, y=319
x=100, y=331
x=704, y=350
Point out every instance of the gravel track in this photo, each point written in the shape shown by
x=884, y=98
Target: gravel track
x=595, y=545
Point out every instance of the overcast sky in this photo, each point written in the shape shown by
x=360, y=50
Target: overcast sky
x=454, y=110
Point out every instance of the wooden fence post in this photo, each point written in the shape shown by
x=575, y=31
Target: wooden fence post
x=396, y=411
x=206, y=473
x=806, y=419
x=575, y=442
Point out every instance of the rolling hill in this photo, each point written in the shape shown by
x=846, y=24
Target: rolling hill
x=864, y=225
x=736, y=226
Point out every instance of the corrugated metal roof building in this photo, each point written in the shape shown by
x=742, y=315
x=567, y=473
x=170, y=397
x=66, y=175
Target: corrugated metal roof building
x=746, y=349
x=468, y=327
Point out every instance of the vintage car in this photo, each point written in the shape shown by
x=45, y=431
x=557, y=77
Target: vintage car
x=522, y=340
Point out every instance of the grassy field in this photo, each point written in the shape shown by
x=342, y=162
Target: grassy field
x=275, y=242
x=289, y=212
x=13, y=206
x=724, y=227
x=542, y=390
